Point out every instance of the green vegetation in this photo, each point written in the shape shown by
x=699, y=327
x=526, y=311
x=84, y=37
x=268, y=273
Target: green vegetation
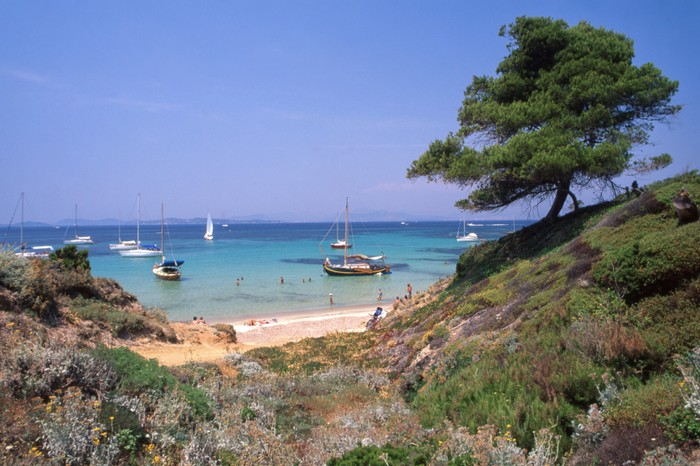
x=72, y=258
x=567, y=107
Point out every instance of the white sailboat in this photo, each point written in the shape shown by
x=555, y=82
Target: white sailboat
x=42, y=252
x=141, y=250
x=122, y=245
x=340, y=243
x=78, y=239
x=462, y=234
x=166, y=269
x=209, y=234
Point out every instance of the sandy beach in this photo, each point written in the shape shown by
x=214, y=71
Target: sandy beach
x=203, y=343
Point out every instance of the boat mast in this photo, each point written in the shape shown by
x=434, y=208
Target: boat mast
x=345, y=246
x=21, y=225
x=76, y=220
x=162, y=232
x=138, y=220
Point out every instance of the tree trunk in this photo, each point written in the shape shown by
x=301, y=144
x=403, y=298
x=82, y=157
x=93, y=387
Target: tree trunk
x=559, y=200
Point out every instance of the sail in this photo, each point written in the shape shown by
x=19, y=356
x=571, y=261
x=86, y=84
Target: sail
x=209, y=234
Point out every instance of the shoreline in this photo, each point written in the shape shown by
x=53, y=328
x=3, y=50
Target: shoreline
x=204, y=343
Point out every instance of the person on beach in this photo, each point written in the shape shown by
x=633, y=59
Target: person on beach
x=330, y=297
x=397, y=303
x=409, y=289
x=380, y=294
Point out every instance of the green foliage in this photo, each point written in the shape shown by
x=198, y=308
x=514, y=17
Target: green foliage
x=13, y=270
x=653, y=264
x=137, y=374
x=642, y=402
x=381, y=456
x=120, y=322
x=313, y=354
x=72, y=258
x=566, y=107
x=681, y=425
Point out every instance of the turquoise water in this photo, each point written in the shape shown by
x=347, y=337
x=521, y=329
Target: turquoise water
x=420, y=253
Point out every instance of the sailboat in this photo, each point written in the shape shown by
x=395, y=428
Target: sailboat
x=166, y=269
x=78, y=239
x=141, y=250
x=340, y=243
x=209, y=234
x=123, y=245
x=462, y=234
x=355, y=264
x=42, y=252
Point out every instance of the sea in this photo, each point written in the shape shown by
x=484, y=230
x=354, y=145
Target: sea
x=261, y=270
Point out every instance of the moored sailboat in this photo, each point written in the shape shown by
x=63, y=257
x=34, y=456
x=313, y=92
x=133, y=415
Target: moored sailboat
x=340, y=243
x=141, y=250
x=78, y=239
x=166, y=269
x=355, y=264
x=25, y=250
x=462, y=234
x=122, y=245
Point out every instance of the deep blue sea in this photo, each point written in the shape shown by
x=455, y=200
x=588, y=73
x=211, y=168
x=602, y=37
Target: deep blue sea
x=260, y=254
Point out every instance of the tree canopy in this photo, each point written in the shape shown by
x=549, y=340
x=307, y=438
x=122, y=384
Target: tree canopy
x=565, y=111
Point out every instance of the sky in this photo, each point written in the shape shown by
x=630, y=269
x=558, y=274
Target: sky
x=275, y=109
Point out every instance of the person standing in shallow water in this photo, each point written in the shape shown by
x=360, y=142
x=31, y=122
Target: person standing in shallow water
x=409, y=291
x=330, y=297
x=380, y=294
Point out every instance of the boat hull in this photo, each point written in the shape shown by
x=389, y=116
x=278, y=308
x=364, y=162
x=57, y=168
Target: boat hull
x=140, y=252
x=79, y=240
x=355, y=271
x=341, y=246
x=167, y=273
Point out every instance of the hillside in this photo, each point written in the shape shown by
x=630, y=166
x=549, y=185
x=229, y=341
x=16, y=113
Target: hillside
x=570, y=342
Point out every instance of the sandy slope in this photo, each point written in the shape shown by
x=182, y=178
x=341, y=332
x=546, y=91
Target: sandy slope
x=203, y=343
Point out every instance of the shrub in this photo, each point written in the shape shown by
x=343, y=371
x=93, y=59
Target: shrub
x=38, y=371
x=381, y=456
x=681, y=425
x=72, y=258
x=137, y=374
x=120, y=322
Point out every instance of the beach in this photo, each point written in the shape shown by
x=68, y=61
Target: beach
x=202, y=342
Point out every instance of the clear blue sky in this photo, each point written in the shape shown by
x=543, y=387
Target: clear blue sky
x=276, y=108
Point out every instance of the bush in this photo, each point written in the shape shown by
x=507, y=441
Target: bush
x=381, y=456
x=72, y=258
x=120, y=322
x=681, y=425
x=137, y=375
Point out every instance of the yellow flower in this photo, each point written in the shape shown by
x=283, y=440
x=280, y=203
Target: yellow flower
x=10, y=324
x=156, y=459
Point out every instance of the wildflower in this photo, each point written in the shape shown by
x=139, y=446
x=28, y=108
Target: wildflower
x=156, y=459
